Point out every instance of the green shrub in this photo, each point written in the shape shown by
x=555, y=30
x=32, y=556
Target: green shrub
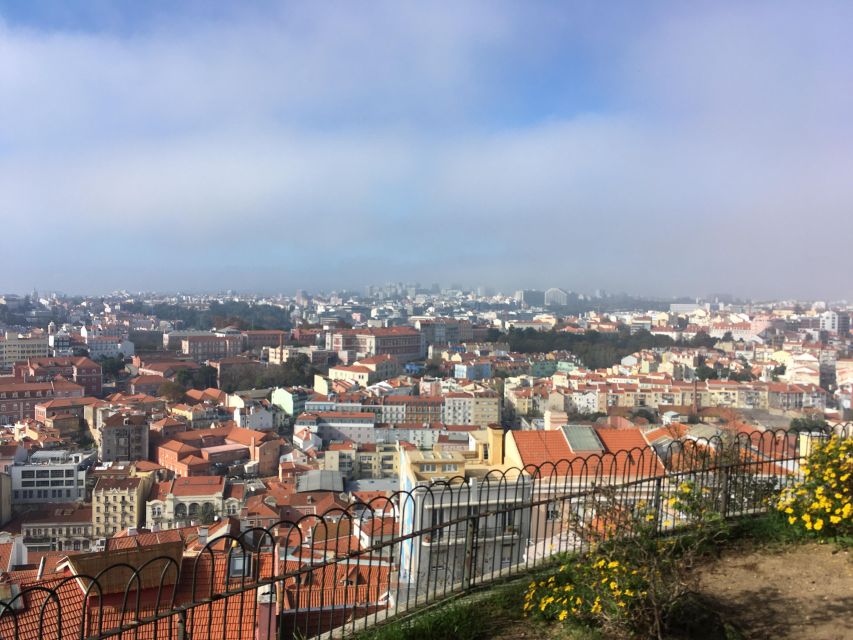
x=635, y=579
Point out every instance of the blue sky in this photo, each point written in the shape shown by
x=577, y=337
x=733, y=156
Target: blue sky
x=658, y=148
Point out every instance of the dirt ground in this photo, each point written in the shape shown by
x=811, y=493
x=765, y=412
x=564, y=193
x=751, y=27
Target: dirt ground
x=793, y=592
x=803, y=591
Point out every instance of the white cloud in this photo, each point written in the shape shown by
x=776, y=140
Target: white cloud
x=344, y=146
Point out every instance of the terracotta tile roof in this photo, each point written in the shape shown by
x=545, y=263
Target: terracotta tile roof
x=224, y=619
x=337, y=585
x=626, y=454
x=538, y=447
x=5, y=555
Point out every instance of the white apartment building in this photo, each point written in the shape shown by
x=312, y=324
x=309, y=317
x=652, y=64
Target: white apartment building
x=438, y=557
x=472, y=408
x=51, y=476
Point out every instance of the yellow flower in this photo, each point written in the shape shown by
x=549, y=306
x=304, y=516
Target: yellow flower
x=612, y=564
x=792, y=519
x=563, y=615
x=834, y=519
x=789, y=510
x=818, y=525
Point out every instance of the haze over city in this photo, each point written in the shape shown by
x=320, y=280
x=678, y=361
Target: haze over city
x=436, y=320
x=657, y=148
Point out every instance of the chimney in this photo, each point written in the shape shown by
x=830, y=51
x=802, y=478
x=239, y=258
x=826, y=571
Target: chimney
x=41, y=568
x=265, y=628
x=496, y=440
x=202, y=535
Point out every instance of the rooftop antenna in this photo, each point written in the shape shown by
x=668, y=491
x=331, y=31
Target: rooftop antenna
x=41, y=568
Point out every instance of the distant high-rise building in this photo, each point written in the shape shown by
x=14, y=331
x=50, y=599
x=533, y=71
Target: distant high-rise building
x=834, y=322
x=302, y=298
x=530, y=297
x=555, y=297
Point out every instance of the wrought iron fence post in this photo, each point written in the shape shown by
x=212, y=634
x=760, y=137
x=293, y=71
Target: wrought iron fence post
x=658, y=502
x=182, y=625
x=471, y=527
x=724, y=488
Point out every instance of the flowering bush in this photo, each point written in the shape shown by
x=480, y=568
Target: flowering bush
x=595, y=591
x=635, y=579
x=822, y=502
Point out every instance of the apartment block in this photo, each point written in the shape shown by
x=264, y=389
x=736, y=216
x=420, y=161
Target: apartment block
x=80, y=370
x=51, y=475
x=472, y=408
x=123, y=436
x=118, y=504
x=360, y=461
x=403, y=343
x=60, y=527
x=19, y=399
x=211, y=347
x=15, y=348
x=501, y=538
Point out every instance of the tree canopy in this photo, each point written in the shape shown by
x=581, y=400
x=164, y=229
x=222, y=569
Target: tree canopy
x=596, y=350
x=297, y=371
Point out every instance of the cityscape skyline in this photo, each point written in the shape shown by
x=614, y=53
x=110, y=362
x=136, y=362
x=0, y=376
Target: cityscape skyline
x=657, y=149
x=369, y=291
x=477, y=319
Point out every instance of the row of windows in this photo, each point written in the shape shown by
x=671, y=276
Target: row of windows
x=112, y=519
x=57, y=531
x=25, y=394
x=50, y=483
x=44, y=473
x=43, y=494
x=432, y=467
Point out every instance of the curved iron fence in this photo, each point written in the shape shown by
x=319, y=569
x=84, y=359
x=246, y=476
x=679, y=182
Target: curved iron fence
x=330, y=574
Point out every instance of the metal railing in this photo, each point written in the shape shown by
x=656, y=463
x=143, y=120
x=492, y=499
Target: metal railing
x=329, y=575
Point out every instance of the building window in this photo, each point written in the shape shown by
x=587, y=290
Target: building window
x=239, y=566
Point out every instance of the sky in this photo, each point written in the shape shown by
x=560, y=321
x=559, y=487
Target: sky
x=658, y=148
